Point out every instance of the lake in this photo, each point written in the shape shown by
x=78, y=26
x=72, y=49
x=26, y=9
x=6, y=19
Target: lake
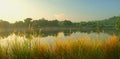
x=45, y=33
x=51, y=39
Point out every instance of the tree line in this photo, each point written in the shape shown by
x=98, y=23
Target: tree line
x=29, y=22
x=113, y=22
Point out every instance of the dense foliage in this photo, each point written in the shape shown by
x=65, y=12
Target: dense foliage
x=110, y=23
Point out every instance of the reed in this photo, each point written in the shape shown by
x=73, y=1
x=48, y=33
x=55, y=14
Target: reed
x=82, y=48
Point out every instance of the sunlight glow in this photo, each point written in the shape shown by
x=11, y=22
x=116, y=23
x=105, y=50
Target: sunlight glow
x=74, y=10
x=11, y=10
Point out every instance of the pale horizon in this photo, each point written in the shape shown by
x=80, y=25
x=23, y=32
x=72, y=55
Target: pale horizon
x=73, y=10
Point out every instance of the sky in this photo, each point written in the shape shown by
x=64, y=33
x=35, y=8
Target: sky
x=73, y=10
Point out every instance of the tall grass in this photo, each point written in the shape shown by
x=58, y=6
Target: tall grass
x=82, y=48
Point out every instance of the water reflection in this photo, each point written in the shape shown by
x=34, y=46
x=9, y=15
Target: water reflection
x=74, y=36
x=51, y=40
x=45, y=33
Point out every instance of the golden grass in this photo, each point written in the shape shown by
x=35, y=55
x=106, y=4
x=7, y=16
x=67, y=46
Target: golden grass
x=82, y=48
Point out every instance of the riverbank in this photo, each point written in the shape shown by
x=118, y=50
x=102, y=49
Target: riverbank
x=20, y=47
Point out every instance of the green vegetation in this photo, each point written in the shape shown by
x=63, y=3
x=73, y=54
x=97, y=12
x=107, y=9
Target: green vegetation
x=52, y=27
x=117, y=25
x=82, y=48
x=110, y=23
x=22, y=47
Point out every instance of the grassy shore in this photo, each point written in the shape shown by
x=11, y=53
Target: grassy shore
x=82, y=48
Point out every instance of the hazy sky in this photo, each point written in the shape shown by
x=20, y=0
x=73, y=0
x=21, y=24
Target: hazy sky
x=74, y=10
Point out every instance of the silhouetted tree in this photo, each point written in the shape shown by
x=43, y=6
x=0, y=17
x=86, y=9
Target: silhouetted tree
x=28, y=22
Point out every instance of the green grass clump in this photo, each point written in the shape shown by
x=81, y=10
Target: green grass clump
x=82, y=48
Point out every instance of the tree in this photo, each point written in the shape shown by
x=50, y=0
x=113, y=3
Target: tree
x=4, y=24
x=53, y=23
x=97, y=26
x=28, y=22
x=43, y=22
x=117, y=25
x=19, y=24
x=35, y=24
x=67, y=23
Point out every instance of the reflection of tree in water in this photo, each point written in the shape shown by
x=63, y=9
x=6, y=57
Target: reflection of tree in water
x=45, y=33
